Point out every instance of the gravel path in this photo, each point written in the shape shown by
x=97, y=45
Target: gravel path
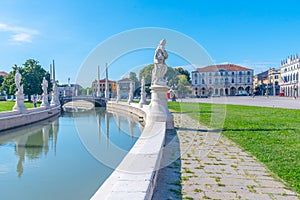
x=213, y=167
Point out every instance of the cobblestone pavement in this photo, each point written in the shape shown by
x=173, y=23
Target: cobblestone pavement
x=213, y=167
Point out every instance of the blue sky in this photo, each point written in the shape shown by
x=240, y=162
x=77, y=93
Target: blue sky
x=253, y=33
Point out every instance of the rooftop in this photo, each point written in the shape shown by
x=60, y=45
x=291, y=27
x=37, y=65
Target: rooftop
x=227, y=67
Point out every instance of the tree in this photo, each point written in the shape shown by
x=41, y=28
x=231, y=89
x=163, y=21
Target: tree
x=132, y=76
x=182, y=88
x=33, y=74
x=147, y=73
x=9, y=85
x=185, y=72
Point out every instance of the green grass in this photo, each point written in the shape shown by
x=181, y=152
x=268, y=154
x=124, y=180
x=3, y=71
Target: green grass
x=8, y=105
x=270, y=134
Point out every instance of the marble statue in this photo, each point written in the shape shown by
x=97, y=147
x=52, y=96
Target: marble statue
x=118, y=93
x=160, y=67
x=143, y=100
x=18, y=78
x=45, y=86
x=45, y=102
x=130, y=95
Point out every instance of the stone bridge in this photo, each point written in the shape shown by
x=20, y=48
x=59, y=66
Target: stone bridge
x=98, y=101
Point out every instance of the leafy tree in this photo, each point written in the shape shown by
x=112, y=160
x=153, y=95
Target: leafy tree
x=9, y=85
x=147, y=73
x=182, y=88
x=185, y=72
x=132, y=76
x=33, y=74
x=1, y=80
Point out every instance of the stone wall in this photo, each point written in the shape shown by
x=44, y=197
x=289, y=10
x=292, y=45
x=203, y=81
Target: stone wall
x=135, y=177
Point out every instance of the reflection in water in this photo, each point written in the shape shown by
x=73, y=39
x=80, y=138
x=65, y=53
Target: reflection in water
x=31, y=140
x=52, y=155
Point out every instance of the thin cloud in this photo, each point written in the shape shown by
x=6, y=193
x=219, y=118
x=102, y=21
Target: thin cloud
x=19, y=34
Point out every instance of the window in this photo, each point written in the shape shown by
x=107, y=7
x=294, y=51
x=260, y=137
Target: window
x=216, y=80
x=209, y=81
x=240, y=73
x=210, y=73
x=248, y=73
x=226, y=73
x=221, y=73
x=203, y=82
x=196, y=82
x=232, y=80
x=276, y=76
x=232, y=73
x=240, y=80
x=248, y=80
x=226, y=80
x=195, y=75
x=203, y=74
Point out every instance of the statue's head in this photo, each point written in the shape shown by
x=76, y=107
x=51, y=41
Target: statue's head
x=163, y=42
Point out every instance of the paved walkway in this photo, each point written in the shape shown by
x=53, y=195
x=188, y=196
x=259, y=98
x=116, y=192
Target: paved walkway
x=276, y=102
x=213, y=167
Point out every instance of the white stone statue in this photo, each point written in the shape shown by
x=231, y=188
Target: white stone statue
x=45, y=102
x=160, y=67
x=45, y=86
x=130, y=95
x=118, y=93
x=143, y=100
x=18, y=78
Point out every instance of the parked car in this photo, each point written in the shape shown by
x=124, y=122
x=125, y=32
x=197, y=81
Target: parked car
x=215, y=95
x=281, y=94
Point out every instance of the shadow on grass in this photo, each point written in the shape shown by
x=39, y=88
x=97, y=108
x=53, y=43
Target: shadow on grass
x=258, y=129
x=200, y=130
x=168, y=183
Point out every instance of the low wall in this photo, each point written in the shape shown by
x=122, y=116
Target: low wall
x=135, y=177
x=13, y=119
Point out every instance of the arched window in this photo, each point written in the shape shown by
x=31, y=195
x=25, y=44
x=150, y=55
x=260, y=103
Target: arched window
x=232, y=80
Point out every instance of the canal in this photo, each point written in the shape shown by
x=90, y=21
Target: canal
x=66, y=157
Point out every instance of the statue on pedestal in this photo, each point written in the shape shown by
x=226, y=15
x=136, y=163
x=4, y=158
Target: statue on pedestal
x=159, y=111
x=19, y=105
x=45, y=102
x=45, y=86
x=143, y=100
x=118, y=93
x=18, y=78
x=160, y=67
x=130, y=95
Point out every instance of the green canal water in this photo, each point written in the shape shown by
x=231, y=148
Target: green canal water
x=66, y=157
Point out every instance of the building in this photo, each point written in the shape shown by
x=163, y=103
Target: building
x=112, y=87
x=267, y=82
x=2, y=73
x=222, y=80
x=289, y=71
x=124, y=85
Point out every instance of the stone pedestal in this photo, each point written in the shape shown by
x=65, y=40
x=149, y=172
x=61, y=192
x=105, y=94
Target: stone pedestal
x=45, y=102
x=159, y=111
x=19, y=105
x=130, y=99
x=143, y=100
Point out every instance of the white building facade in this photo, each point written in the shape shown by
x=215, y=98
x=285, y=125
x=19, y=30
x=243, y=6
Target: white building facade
x=222, y=80
x=289, y=71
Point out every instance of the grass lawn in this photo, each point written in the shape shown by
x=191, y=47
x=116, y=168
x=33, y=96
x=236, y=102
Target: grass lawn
x=8, y=105
x=270, y=134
